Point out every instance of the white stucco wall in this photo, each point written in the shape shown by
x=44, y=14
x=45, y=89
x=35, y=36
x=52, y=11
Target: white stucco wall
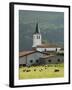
x=34, y=57
x=37, y=56
x=47, y=49
x=22, y=60
x=36, y=41
x=54, y=59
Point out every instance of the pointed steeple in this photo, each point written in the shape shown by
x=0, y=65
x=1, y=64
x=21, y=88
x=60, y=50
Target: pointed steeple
x=36, y=36
x=37, y=28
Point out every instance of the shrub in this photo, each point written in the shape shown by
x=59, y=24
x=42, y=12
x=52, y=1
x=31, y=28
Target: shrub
x=61, y=54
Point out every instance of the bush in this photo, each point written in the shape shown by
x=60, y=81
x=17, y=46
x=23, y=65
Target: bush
x=61, y=54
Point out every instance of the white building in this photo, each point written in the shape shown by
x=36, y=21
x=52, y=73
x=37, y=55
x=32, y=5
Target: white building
x=48, y=47
x=37, y=42
x=28, y=58
x=41, y=53
x=37, y=37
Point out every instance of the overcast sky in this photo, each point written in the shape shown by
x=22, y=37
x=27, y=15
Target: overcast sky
x=51, y=25
x=43, y=17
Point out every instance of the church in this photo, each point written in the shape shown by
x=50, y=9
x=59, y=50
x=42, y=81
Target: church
x=37, y=42
x=41, y=53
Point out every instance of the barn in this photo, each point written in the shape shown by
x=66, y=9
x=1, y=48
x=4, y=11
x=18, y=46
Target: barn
x=42, y=53
x=29, y=58
x=52, y=59
x=47, y=47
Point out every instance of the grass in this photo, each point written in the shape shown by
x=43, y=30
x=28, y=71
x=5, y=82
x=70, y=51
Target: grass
x=48, y=71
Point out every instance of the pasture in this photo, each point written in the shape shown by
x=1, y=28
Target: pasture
x=44, y=71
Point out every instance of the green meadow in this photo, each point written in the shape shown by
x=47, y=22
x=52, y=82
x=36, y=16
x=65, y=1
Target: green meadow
x=44, y=71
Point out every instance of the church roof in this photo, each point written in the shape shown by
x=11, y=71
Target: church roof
x=47, y=56
x=25, y=53
x=48, y=46
x=37, y=29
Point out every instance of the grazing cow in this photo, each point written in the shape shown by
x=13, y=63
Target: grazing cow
x=24, y=70
x=45, y=68
x=28, y=70
x=56, y=70
x=34, y=69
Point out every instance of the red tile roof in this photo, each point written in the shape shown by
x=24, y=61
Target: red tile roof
x=23, y=53
x=47, y=56
x=48, y=46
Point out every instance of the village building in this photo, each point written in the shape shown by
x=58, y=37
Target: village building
x=28, y=58
x=41, y=53
x=39, y=46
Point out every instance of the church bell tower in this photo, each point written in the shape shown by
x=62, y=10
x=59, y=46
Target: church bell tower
x=36, y=37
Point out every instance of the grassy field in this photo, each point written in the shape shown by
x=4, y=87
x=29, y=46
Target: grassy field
x=46, y=71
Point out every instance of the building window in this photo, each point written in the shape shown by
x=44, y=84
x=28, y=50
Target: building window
x=37, y=61
x=56, y=49
x=31, y=61
x=58, y=60
x=49, y=61
x=38, y=37
x=45, y=50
